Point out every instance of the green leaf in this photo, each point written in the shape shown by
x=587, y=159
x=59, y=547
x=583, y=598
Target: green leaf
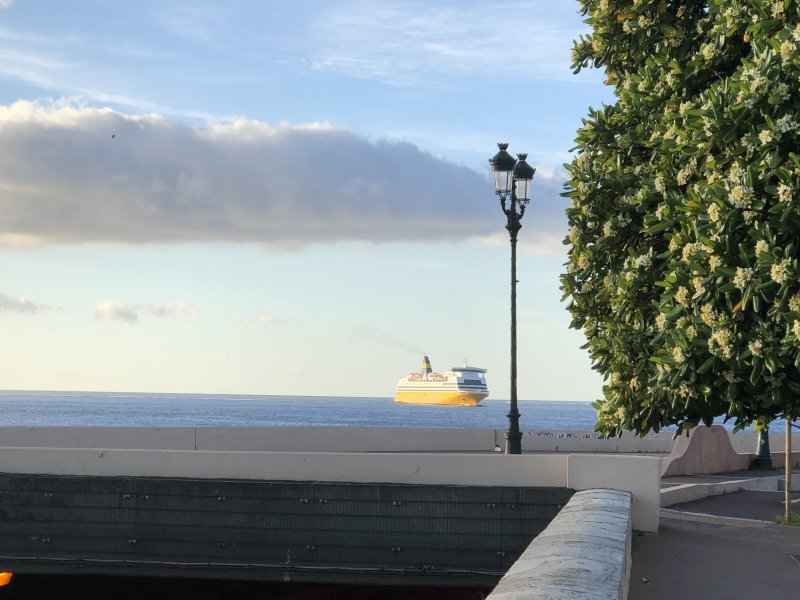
x=706, y=366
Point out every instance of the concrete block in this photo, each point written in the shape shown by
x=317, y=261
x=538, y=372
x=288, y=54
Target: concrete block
x=706, y=450
x=640, y=475
x=583, y=554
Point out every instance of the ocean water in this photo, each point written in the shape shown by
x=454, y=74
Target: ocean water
x=104, y=409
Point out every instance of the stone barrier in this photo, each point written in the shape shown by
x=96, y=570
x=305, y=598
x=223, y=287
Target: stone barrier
x=584, y=553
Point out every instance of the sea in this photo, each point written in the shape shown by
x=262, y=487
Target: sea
x=117, y=409
x=107, y=409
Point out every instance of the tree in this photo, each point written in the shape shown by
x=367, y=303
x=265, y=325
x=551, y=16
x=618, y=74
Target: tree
x=685, y=216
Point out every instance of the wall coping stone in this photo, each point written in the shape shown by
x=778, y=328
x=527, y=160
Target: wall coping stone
x=584, y=553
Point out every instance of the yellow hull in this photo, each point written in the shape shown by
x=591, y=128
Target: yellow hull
x=442, y=398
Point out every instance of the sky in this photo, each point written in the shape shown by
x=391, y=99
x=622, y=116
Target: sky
x=260, y=197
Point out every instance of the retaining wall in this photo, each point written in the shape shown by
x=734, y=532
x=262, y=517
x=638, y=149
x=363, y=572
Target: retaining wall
x=584, y=553
x=637, y=474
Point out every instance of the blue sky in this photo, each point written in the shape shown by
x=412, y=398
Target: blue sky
x=282, y=198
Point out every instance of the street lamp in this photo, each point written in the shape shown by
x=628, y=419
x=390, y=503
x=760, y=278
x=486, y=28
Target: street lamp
x=512, y=182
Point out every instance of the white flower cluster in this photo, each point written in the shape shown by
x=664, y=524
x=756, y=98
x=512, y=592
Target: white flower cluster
x=685, y=390
x=756, y=347
x=741, y=196
x=784, y=193
x=708, y=314
x=761, y=247
x=796, y=331
x=660, y=184
x=731, y=15
x=661, y=322
x=686, y=172
x=743, y=277
x=698, y=284
x=782, y=90
x=709, y=51
x=693, y=248
x=757, y=82
x=794, y=303
x=682, y=296
x=723, y=340
x=677, y=355
x=643, y=260
x=785, y=124
x=787, y=50
x=781, y=271
x=731, y=377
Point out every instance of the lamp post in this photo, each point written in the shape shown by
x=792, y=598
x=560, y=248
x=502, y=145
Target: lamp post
x=512, y=182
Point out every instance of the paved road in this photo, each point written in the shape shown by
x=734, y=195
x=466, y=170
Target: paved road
x=696, y=557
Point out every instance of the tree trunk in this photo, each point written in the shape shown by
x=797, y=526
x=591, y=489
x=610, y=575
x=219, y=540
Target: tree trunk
x=788, y=471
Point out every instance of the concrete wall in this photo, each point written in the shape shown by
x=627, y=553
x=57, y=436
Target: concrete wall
x=745, y=443
x=630, y=473
x=324, y=439
x=584, y=553
x=639, y=475
x=567, y=440
x=708, y=450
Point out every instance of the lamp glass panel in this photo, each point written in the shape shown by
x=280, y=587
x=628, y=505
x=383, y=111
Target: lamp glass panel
x=502, y=181
x=522, y=189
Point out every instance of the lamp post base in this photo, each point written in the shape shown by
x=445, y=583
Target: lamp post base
x=762, y=461
x=513, y=442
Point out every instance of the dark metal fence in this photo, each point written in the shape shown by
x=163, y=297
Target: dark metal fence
x=269, y=530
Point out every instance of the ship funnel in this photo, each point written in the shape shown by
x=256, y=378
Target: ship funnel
x=426, y=366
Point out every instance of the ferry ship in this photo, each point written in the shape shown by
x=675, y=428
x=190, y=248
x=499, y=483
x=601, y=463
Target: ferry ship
x=460, y=386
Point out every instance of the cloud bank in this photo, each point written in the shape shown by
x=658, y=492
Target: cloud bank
x=72, y=174
x=115, y=310
x=20, y=305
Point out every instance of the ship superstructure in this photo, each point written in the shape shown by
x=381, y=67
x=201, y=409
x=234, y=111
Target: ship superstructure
x=460, y=386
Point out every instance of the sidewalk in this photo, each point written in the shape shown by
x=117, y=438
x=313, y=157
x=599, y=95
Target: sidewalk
x=723, y=547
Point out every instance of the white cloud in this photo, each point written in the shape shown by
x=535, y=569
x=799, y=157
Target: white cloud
x=115, y=310
x=73, y=174
x=412, y=42
x=21, y=305
x=6, y=3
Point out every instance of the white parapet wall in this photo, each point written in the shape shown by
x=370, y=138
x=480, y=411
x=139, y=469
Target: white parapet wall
x=584, y=553
x=326, y=439
x=639, y=475
x=632, y=473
